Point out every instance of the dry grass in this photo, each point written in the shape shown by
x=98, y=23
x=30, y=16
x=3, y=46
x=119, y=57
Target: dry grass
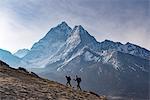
x=19, y=85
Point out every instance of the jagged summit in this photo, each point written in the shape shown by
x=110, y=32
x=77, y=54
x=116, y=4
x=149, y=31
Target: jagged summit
x=62, y=26
x=85, y=37
x=79, y=28
x=60, y=30
x=63, y=23
x=46, y=47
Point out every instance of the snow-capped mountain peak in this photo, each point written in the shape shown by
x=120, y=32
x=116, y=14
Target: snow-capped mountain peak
x=75, y=36
x=46, y=47
x=85, y=37
x=60, y=31
x=63, y=26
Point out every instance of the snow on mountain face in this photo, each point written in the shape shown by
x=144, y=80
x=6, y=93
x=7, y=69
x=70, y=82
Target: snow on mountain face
x=135, y=50
x=90, y=57
x=85, y=37
x=9, y=58
x=125, y=48
x=79, y=37
x=107, y=44
x=45, y=48
x=68, y=48
x=77, y=40
x=21, y=53
x=73, y=41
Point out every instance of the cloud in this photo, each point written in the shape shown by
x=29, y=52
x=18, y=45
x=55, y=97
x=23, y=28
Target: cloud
x=24, y=22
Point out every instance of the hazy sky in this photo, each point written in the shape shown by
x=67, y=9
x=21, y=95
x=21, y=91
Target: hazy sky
x=23, y=22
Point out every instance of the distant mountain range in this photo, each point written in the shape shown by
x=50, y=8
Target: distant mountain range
x=106, y=67
x=9, y=58
x=21, y=53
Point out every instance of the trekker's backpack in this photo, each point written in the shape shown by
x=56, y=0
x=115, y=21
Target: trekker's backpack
x=69, y=78
x=79, y=79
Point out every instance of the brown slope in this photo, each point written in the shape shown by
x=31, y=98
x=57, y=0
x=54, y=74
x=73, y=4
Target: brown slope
x=18, y=85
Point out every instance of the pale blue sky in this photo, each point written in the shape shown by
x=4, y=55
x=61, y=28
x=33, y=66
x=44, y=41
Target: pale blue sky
x=23, y=22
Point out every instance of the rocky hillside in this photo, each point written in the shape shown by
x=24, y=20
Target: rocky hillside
x=17, y=84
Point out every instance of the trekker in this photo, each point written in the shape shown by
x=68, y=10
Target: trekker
x=68, y=80
x=78, y=79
